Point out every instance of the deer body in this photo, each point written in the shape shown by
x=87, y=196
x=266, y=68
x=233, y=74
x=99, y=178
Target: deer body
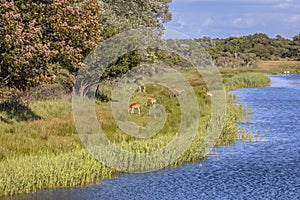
x=142, y=88
x=178, y=91
x=134, y=106
x=152, y=101
x=209, y=94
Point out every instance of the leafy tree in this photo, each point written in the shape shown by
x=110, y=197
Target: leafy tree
x=122, y=15
x=42, y=37
x=294, y=50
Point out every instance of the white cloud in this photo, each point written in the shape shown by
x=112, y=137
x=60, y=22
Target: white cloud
x=180, y=23
x=284, y=4
x=208, y=21
x=177, y=25
x=239, y=21
x=220, y=18
x=235, y=1
x=294, y=18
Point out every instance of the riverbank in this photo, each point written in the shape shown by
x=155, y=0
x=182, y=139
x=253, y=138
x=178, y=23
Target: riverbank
x=46, y=152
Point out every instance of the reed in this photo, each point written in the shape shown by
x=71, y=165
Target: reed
x=247, y=80
x=47, y=152
x=30, y=173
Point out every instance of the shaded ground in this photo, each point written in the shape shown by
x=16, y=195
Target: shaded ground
x=13, y=109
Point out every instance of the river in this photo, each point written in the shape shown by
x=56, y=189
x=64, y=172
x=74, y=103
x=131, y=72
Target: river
x=266, y=168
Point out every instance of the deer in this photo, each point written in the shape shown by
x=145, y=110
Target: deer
x=142, y=88
x=152, y=101
x=178, y=91
x=134, y=106
x=209, y=94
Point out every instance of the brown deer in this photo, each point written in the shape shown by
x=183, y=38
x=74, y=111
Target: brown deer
x=142, y=88
x=152, y=101
x=209, y=94
x=178, y=91
x=134, y=106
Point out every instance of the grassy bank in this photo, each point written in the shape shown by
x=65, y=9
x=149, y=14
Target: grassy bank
x=247, y=80
x=39, y=146
x=47, y=170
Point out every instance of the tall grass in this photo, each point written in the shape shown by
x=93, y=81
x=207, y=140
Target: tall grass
x=247, y=80
x=53, y=132
x=30, y=173
x=47, y=152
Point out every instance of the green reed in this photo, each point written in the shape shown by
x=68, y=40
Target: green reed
x=30, y=173
x=47, y=152
x=247, y=80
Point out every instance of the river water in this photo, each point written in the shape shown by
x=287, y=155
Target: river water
x=267, y=168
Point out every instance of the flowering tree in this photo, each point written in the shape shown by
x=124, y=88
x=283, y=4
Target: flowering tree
x=42, y=37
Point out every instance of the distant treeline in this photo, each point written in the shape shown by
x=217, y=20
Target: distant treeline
x=230, y=52
x=246, y=50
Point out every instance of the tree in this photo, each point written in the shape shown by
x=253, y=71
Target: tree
x=294, y=50
x=122, y=15
x=41, y=37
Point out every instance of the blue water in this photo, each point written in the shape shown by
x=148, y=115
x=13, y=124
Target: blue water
x=268, y=168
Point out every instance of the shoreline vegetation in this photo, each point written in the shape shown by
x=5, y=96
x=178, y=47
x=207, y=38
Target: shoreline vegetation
x=40, y=148
x=43, y=45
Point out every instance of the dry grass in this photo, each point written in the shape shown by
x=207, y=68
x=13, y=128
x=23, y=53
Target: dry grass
x=267, y=67
x=278, y=67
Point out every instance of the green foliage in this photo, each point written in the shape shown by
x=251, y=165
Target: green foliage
x=42, y=37
x=246, y=50
x=120, y=15
x=122, y=65
x=294, y=48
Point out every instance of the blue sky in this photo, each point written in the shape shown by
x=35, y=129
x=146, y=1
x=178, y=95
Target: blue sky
x=224, y=18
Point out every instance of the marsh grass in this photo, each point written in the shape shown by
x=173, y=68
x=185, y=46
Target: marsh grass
x=247, y=80
x=30, y=173
x=47, y=152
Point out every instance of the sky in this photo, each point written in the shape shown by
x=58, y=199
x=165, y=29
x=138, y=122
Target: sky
x=225, y=18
